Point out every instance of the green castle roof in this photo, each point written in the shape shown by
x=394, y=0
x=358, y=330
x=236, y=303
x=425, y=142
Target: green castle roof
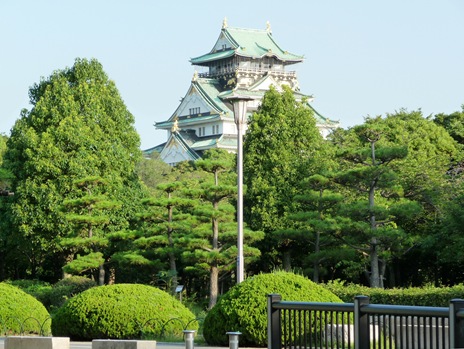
x=253, y=43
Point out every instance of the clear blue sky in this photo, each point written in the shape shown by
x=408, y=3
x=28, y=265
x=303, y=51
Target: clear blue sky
x=362, y=57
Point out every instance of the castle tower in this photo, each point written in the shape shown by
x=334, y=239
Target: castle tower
x=243, y=62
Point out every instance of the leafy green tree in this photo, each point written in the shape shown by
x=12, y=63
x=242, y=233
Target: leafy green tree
x=78, y=127
x=153, y=171
x=453, y=123
x=5, y=192
x=281, y=148
x=281, y=137
x=5, y=175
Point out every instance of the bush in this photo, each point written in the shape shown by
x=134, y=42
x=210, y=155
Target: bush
x=416, y=296
x=244, y=307
x=123, y=311
x=53, y=297
x=21, y=313
x=36, y=288
x=64, y=289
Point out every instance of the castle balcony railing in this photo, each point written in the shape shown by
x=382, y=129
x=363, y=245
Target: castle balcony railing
x=361, y=325
x=257, y=71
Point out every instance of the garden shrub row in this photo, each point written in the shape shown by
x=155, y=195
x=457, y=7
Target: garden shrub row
x=416, y=296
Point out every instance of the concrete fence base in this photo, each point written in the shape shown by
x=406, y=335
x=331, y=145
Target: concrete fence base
x=122, y=344
x=27, y=342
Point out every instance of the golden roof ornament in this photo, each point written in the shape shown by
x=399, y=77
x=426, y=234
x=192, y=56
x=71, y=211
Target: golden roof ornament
x=224, y=23
x=195, y=75
x=175, y=126
x=268, y=27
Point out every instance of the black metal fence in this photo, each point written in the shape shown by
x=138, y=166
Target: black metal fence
x=361, y=325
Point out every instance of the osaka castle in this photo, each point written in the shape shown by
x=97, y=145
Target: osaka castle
x=242, y=62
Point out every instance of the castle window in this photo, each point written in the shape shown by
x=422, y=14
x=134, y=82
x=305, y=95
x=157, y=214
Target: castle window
x=215, y=129
x=193, y=111
x=201, y=131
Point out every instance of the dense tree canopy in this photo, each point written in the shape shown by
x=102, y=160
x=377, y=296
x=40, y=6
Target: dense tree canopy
x=280, y=145
x=398, y=164
x=78, y=126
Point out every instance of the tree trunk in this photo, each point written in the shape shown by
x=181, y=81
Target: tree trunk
x=375, y=272
x=287, y=264
x=172, y=257
x=317, y=249
x=213, y=286
x=101, y=275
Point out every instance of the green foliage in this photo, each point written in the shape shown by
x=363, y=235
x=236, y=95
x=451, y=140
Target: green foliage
x=21, y=313
x=66, y=289
x=244, y=307
x=210, y=246
x=415, y=296
x=153, y=171
x=54, y=296
x=453, y=123
x=122, y=311
x=281, y=145
x=78, y=127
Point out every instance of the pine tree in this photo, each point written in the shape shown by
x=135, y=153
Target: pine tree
x=211, y=245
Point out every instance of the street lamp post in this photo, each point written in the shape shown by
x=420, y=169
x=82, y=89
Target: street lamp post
x=240, y=119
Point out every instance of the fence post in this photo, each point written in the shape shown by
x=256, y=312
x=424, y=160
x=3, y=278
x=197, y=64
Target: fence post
x=361, y=323
x=189, y=338
x=233, y=339
x=274, y=324
x=456, y=324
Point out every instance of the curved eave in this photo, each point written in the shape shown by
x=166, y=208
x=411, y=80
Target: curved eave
x=211, y=57
x=166, y=125
x=323, y=120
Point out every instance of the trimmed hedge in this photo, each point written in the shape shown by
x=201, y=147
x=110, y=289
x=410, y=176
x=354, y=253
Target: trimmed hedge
x=21, y=313
x=417, y=296
x=122, y=311
x=244, y=307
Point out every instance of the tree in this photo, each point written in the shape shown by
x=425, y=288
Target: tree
x=89, y=213
x=397, y=165
x=5, y=175
x=78, y=127
x=164, y=226
x=153, y=171
x=453, y=123
x=316, y=223
x=211, y=245
x=280, y=150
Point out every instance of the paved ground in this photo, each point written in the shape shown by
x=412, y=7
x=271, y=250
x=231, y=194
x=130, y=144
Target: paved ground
x=159, y=345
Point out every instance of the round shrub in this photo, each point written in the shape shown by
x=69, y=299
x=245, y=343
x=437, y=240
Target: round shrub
x=122, y=311
x=244, y=307
x=20, y=313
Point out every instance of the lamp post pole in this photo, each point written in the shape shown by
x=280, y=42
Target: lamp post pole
x=240, y=112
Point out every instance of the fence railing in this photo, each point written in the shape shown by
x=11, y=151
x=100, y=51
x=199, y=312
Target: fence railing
x=361, y=325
